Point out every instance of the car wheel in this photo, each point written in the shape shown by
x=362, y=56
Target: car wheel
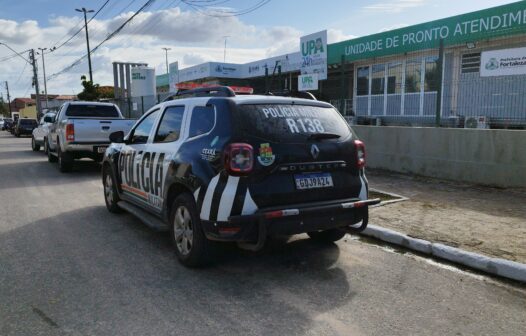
x=50, y=157
x=34, y=145
x=45, y=146
x=327, y=236
x=65, y=163
x=191, y=245
x=111, y=197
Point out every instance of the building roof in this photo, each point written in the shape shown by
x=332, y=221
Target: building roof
x=66, y=97
x=25, y=100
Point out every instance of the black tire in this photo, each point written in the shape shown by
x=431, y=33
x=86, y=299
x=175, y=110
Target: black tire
x=34, y=145
x=50, y=157
x=327, y=236
x=45, y=146
x=65, y=163
x=191, y=245
x=111, y=197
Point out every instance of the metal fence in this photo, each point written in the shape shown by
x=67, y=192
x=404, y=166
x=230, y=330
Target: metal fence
x=135, y=107
x=452, y=86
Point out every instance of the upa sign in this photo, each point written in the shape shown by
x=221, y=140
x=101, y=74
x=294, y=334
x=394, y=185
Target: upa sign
x=308, y=82
x=314, y=54
x=504, y=62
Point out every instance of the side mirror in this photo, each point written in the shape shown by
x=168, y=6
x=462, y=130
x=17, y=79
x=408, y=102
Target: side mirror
x=117, y=137
x=49, y=119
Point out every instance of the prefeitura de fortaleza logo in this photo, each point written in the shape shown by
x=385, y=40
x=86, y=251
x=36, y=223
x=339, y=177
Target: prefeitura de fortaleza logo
x=492, y=64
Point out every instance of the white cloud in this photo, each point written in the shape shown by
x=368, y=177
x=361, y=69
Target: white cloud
x=193, y=38
x=395, y=6
x=393, y=27
x=336, y=35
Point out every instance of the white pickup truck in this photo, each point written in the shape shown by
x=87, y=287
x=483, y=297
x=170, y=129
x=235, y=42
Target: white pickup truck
x=81, y=130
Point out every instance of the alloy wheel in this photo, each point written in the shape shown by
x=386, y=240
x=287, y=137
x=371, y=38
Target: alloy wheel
x=183, y=230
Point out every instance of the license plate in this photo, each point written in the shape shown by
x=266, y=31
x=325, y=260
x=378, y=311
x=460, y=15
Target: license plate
x=313, y=181
x=101, y=149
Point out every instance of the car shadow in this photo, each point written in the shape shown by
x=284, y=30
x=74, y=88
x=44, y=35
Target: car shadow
x=113, y=266
x=42, y=173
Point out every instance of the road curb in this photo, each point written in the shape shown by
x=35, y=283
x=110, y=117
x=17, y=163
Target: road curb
x=496, y=266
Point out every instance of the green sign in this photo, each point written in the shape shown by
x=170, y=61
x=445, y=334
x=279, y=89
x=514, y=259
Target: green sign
x=489, y=23
x=137, y=75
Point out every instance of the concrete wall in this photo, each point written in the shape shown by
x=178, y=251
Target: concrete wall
x=489, y=157
x=28, y=112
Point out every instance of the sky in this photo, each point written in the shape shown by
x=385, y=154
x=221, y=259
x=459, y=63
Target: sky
x=194, y=34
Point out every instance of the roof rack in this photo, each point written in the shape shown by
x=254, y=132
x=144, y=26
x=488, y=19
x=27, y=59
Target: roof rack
x=294, y=94
x=215, y=91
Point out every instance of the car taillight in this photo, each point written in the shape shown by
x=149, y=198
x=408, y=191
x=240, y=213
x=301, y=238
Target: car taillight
x=360, y=153
x=70, y=132
x=239, y=159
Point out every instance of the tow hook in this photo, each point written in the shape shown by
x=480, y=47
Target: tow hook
x=353, y=229
x=262, y=238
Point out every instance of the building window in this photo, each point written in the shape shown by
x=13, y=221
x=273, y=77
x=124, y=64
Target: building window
x=362, y=86
x=432, y=77
x=470, y=63
x=378, y=79
x=413, y=75
x=394, y=78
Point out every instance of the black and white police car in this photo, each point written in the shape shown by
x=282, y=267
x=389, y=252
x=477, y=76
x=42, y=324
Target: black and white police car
x=213, y=166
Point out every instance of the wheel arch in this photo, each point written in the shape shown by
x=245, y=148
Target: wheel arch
x=174, y=190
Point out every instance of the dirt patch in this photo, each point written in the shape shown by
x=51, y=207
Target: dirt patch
x=485, y=220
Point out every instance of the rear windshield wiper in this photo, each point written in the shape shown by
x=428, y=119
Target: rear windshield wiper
x=319, y=136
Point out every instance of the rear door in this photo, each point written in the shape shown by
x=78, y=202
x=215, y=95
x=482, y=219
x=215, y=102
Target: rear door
x=167, y=137
x=302, y=153
x=132, y=182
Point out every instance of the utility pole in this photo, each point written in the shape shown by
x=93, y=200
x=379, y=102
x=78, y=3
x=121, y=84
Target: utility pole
x=84, y=10
x=166, y=53
x=8, y=97
x=44, y=72
x=35, y=79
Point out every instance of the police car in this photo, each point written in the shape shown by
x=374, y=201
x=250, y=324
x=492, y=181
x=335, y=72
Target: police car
x=216, y=166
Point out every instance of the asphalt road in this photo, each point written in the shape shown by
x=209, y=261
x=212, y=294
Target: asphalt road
x=69, y=267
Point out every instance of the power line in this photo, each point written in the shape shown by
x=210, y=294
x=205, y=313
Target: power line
x=206, y=10
x=110, y=36
x=82, y=28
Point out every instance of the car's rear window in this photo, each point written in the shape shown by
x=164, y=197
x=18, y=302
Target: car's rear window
x=28, y=122
x=96, y=111
x=290, y=123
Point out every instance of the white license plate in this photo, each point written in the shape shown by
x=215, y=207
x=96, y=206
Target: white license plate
x=313, y=181
x=101, y=149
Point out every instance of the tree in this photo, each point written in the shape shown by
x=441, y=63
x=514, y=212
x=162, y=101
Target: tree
x=90, y=92
x=4, y=109
x=106, y=92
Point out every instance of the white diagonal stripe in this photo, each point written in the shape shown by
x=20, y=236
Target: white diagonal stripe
x=249, y=207
x=207, y=202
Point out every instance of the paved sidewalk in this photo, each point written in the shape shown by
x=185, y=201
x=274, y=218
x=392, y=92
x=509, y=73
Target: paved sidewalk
x=484, y=220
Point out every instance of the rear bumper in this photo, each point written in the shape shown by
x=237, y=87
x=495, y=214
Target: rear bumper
x=292, y=220
x=85, y=149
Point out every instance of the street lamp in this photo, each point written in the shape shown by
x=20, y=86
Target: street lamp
x=224, y=52
x=84, y=10
x=44, y=71
x=166, y=54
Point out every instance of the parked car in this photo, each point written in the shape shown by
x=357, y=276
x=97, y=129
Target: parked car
x=221, y=167
x=80, y=130
x=8, y=122
x=1, y=123
x=40, y=133
x=25, y=126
